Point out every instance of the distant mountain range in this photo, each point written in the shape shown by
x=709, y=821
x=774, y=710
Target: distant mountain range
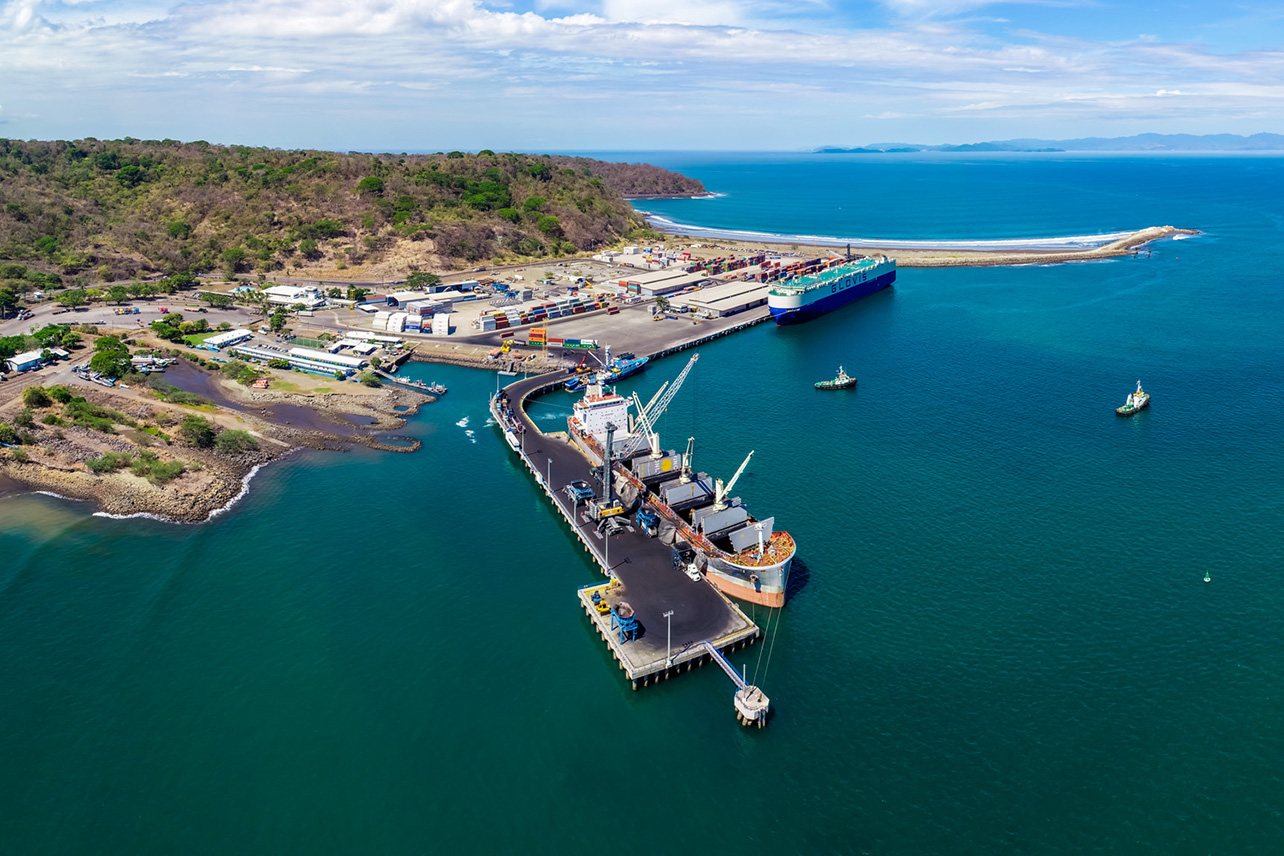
x=1138, y=143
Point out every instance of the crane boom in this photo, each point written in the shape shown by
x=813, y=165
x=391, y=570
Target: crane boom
x=721, y=491
x=647, y=415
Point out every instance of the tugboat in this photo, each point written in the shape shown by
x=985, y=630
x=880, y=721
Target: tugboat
x=841, y=381
x=1138, y=400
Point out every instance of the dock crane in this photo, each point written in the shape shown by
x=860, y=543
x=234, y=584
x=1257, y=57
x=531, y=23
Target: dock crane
x=720, y=492
x=647, y=415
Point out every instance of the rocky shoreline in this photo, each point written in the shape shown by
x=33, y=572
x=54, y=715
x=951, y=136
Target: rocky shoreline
x=53, y=457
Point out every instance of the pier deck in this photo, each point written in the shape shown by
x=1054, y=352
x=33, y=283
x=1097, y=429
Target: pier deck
x=648, y=580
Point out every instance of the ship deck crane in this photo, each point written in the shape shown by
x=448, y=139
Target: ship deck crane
x=720, y=491
x=647, y=415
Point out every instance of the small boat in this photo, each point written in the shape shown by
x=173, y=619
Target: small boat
x=1138, y=400
x=840, y=381
x=437, y=389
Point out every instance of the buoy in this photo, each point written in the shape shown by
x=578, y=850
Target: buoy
x=1207, y=578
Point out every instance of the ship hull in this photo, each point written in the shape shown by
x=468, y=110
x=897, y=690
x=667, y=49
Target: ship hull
x=795, y=309
x=767, y=590
x=1132, y=411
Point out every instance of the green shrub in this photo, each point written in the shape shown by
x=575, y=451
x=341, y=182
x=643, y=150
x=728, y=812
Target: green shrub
x=233, y=441
x=53, y=419
x=19, y=455
x=61, y=394
x=8, y=434
x=36, y=396
x=109, y=462
x=197, y=431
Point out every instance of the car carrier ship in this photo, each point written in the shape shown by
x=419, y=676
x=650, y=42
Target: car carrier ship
x=712, y=531
x=842, y=281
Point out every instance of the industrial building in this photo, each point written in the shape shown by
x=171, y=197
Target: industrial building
x=264, y=355
x=223, y=340
x=288, y=295
x=719, y=301
x=662, y=282
x=25, y=361
x=327, y=358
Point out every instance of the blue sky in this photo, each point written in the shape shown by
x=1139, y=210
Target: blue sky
x=571, y=75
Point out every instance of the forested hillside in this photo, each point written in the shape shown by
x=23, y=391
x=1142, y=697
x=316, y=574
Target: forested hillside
x=101, y=211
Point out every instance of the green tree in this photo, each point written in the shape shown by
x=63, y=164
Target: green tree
x=118, y=294
x=25, y=418
x=111, y=363
x=198, y=431
x=8, y=300
x=73, y=298
x=8, y=435
x=309, y=250
x=372, y=184
x=550, y=225
x=369, y=379
x=218, y=301
x=278, y=319
x=422, y=279
x=109, y=343
x=233, y=259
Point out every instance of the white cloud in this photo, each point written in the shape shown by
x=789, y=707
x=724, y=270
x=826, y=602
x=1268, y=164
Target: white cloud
x=469, y=63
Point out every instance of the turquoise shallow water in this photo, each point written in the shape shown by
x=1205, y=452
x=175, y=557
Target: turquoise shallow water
x=1002, y=639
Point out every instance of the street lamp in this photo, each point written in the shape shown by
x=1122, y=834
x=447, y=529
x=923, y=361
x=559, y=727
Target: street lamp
x=668, y=645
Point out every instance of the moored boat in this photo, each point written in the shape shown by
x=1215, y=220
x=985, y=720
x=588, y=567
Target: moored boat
x=1137, y=401
x=840, y=282
x=743, y=556
x=841, y=381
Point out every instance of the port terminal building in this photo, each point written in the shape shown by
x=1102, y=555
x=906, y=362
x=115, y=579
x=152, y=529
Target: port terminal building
x=224, y=340
x=719, y=301
x=662, y=282
x=301, y=359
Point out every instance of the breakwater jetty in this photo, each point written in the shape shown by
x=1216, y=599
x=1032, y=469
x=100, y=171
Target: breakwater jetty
x=655, y=620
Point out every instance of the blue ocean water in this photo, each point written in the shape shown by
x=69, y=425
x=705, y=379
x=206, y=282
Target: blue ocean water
x=1001, y=640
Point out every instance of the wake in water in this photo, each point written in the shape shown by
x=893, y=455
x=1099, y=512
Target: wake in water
x=1072, y=242
x=468, y=432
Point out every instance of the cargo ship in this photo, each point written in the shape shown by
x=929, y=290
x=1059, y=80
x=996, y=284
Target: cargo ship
x=842, y=282
x=742, y=556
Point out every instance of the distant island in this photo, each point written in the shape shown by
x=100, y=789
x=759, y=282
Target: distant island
x=1136, y=143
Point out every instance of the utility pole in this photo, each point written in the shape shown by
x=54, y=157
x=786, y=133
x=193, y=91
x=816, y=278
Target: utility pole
x=668, y=645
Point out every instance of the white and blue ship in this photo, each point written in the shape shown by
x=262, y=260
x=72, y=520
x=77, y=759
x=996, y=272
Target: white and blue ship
x=808, y=296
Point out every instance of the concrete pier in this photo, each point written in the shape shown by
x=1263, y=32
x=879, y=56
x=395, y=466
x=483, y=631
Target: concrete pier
x=676, y=615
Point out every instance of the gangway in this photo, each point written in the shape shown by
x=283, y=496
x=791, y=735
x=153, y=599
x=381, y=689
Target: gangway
x=751, y=702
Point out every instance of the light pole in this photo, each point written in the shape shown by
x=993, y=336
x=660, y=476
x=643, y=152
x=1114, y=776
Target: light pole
x=549, y=479
x=668, y=643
